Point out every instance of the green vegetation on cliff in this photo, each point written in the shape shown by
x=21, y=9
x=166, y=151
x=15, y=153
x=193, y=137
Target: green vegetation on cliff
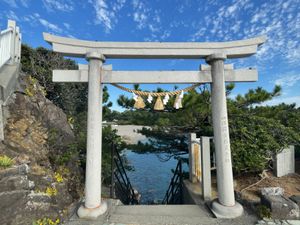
x=72, y=98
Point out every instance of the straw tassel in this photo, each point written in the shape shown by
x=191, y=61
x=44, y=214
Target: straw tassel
x=139, y=103
x=159, y=104
x=178, y=102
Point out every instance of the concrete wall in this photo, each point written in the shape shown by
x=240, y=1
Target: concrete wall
x=284, y=162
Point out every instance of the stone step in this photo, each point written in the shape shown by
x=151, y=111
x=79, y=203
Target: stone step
x=161, y=214
x=161, y=210
x=16, y=170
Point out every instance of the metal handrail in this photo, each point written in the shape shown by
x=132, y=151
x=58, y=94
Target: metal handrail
x=174, y=192
x=121, y=187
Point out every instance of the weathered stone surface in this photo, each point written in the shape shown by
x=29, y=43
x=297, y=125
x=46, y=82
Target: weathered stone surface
x=15, y=183
x=284, y=161
x=17, y=170
x=39, y=197
x=296, y=199
x=278, y=222
x=272, y=191
x=24, y=187
x=10, y=204
x=281, y=207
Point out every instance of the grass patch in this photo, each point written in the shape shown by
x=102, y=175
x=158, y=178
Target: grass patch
x=5, y=162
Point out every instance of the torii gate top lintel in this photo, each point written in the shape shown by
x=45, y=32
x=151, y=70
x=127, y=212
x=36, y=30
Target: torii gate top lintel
x=155, y=50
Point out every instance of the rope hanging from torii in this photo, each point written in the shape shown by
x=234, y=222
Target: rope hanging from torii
x=159, y=104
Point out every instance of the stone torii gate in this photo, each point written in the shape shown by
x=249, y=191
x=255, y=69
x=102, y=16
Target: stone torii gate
x=96, y=74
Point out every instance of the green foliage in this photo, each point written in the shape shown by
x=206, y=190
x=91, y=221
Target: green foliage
x=5, y=161
x=263, y=211
x=46, y=221
x=72, y=98
x=256, y=132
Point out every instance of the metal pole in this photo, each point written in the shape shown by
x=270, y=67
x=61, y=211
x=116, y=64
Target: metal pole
x=112, y=186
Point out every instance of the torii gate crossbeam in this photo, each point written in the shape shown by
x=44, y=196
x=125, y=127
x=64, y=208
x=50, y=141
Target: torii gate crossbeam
x=217, y=74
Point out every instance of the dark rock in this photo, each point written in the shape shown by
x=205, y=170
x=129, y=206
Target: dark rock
x=31, y=123
x=272, y=191
x=296, y=199
x=281, y=207
x=11, y=203
x=39, y=197
x=15, y=183
x=18, y=170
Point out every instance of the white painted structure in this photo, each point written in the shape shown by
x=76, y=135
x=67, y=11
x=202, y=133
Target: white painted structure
x=195, y=170
x=200, y=163
x=217, y=74
x=284, y=162
x=10, y=44
x=10, y=54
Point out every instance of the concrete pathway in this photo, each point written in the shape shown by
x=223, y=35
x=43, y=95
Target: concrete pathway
x=159, y=215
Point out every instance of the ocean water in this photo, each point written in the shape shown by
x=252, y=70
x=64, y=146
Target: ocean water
x=151, y=177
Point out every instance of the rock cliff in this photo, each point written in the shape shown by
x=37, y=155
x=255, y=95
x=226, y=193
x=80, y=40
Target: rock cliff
x=44, y=178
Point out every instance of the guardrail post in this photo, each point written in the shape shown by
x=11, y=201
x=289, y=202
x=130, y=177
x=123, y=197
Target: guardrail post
x=17, y=46
x=112, y=187
x=180, y=181
x=12, y=24
x=194, y=159
x=206, y=168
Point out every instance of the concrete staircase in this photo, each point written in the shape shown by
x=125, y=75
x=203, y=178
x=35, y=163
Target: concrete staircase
x=160, y=214
x=118, y=214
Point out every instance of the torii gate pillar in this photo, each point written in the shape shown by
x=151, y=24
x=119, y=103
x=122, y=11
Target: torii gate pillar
x=225, y=206
x=93, y=206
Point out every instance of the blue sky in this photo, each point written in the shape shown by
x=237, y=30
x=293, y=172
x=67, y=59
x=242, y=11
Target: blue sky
x=278, y=60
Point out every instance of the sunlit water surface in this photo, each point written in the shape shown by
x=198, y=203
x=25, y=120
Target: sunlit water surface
x=151, y=177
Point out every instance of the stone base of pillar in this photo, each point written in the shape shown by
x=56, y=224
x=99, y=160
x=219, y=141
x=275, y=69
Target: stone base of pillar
x=87, y=213
x=226, y=212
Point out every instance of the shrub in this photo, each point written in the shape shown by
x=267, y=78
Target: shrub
x=5, y=161
x=263, y=211
x=58, y=177
x=51, y=191
x=46, y=221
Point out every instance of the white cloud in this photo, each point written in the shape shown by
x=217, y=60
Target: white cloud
x=107, y=14
x=149, y=20
x=17, y=3
x=286, y=100
x=67, y=25
x=240, y=19
x=103, y=15
x=60, y=5
x=11, y=3
x=12, y=16
x=140, y=15
x=50, y=26
x=35, y=19
x=288, y=80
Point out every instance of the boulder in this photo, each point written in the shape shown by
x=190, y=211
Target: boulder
x=17, y=170
x=272, y=191
x=296, y=199
x=15, y=183
x=281, y=207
